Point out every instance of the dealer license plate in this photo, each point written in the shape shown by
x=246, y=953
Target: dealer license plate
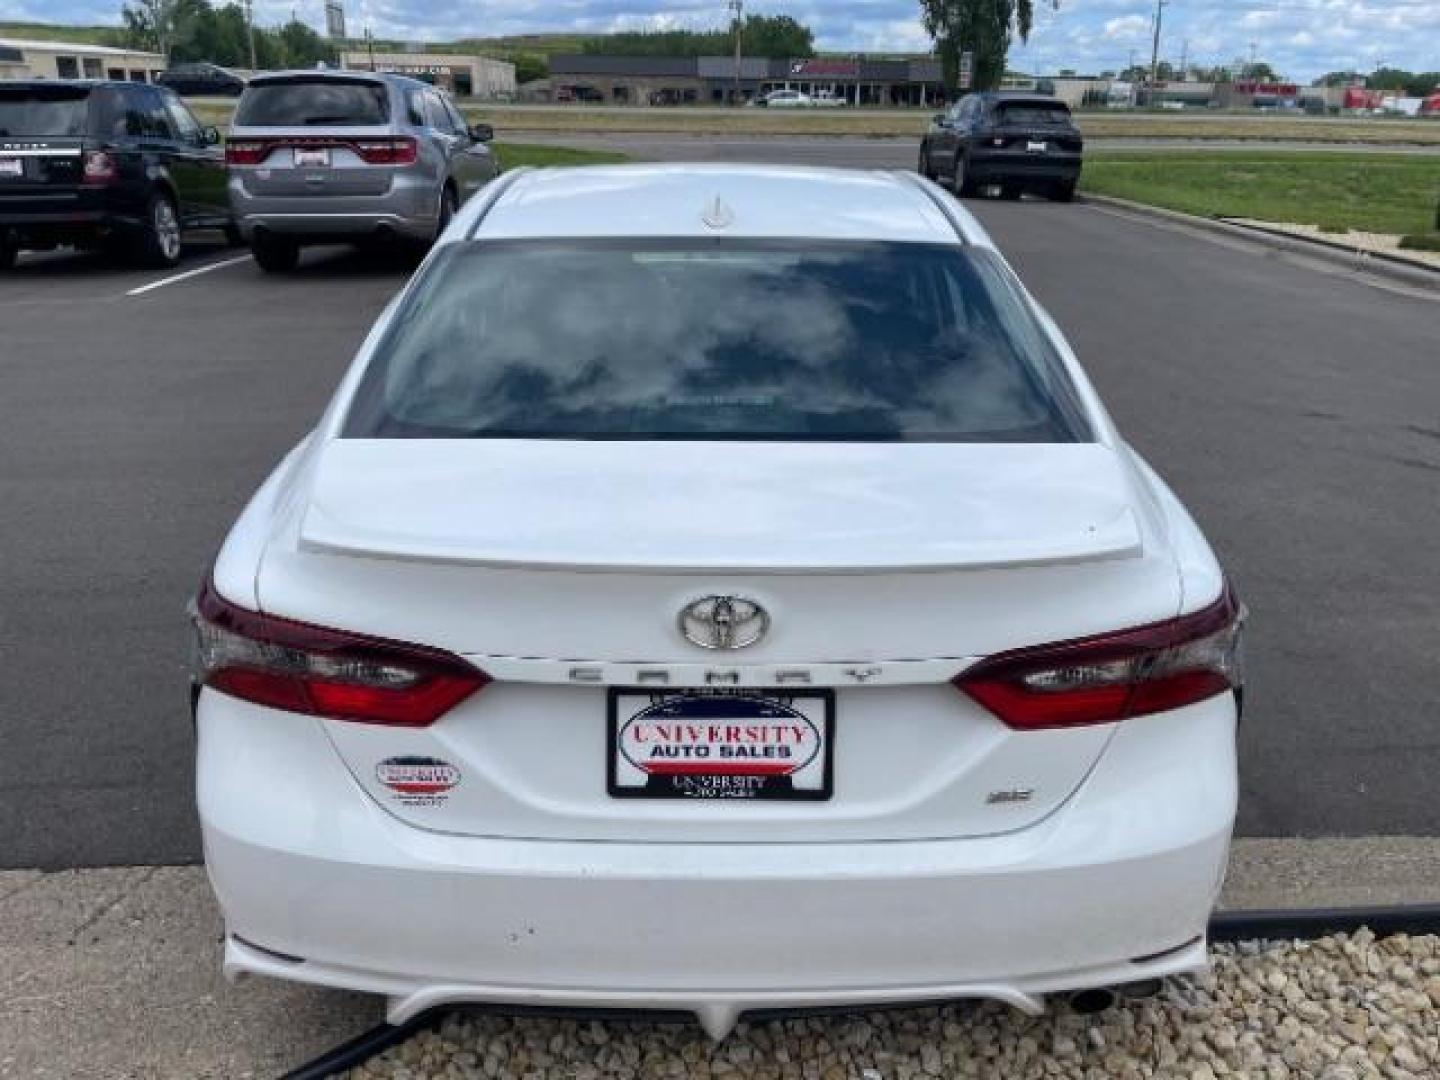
x=12, y=166
x=721, y=744
x=1036, y=146
x=312, y=159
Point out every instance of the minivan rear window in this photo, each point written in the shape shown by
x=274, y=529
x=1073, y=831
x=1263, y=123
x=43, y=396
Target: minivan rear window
x=302, y=102
x=717, y=340
x=43, y=111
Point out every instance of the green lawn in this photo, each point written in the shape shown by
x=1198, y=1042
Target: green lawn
x=512, y=155
x=1389, y=193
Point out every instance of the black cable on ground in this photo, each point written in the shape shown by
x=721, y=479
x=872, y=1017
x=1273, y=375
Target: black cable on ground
x=363, y=1047
x=1224, y=926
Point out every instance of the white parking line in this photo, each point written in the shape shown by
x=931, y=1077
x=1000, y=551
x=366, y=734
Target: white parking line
x=187, y=274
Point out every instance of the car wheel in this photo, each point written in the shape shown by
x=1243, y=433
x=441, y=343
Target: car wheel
x=960, y=180
x=159, y=240
x=8, y=252
x=233, y=236
x=923, y=168
x=273, y=254
x=1010, y=192
x=1063, y=191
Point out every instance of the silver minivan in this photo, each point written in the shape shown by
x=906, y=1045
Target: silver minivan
x=326, y=157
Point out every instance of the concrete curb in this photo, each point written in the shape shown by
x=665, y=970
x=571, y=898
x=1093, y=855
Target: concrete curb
x=1363, y=262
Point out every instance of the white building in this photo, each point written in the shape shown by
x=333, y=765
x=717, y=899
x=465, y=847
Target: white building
x=24, y=59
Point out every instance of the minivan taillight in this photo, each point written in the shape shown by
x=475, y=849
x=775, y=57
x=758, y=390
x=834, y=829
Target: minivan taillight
x=318, y=671
x=247, y=151
x=99, y=167
x=1118, y=676
x=401, y=151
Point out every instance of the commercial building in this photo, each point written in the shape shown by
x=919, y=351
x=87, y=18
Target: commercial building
x=23, y=59
x=461, y=75
x=713, y=80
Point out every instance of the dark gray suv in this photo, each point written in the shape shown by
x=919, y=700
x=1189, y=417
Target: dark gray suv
x=324, y=157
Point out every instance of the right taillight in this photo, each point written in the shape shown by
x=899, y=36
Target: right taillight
x=1112, y=677
x=99, y=167
x=319, y=671
x=400, y=151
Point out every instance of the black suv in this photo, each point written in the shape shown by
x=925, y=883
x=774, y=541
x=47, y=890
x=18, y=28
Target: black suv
x=114, y=165
x=197, y=79
x=1020, y=142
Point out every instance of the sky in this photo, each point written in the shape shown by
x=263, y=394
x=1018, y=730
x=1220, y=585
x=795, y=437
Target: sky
x=1299, y=38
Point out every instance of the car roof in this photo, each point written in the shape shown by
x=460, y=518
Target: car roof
x=347, y=74
x=1005, y=97
x=720, y=200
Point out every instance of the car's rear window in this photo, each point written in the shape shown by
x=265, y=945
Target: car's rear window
x=37, y=111
x=313, y=103
x=702, y=340
x=1031, y=112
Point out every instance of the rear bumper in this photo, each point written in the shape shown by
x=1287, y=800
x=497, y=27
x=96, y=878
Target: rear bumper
x=409, y=209
x=1115, y=886
x=995, y=168
x=47, y=222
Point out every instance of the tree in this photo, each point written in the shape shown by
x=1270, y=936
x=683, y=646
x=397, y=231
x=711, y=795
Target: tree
x=157, y=25
x=777, y=36
x=302, y=47
x=981, y=27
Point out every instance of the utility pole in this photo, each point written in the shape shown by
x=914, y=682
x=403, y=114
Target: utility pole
x=250, y=32
x=738, y=7
x=1185, y=61
x=1155, y=50
x=370, y=45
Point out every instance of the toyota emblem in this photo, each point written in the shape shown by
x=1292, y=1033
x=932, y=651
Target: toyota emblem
x=723, y=622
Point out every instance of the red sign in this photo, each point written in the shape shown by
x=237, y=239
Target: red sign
x=845, y=69
x=1268, y=89
x=1357, y=97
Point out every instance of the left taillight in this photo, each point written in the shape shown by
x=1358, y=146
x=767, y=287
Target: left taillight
x=99, y=167
x=319, y=671
x=1113, y=677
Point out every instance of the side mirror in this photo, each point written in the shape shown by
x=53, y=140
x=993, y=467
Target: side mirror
x=210, y=136
x=941, y=119
x=482, y=132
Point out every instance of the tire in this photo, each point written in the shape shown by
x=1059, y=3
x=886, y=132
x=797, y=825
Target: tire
x=274, y=255
x=923, y=166
x=158, y=244
x=8, y=252
x=1010, y=192
x=233, y=236
x=1063, y=191
x=960, y=180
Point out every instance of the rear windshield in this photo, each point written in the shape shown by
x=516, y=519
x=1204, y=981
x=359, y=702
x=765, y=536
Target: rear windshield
x=704, y=340
x=313, y=103
x=1033, y=112
x=54, y=111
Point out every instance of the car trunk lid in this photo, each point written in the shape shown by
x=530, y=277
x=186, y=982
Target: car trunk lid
x=560, y=569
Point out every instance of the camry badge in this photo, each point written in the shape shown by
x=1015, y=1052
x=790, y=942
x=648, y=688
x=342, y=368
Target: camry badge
x=723, y=622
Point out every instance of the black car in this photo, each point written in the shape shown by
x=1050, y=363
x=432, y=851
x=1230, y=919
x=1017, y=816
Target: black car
x=195, y=80
x=114, y=165
x=1018, y=142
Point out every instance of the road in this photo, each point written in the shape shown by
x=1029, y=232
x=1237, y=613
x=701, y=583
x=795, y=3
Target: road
x=1296, y=410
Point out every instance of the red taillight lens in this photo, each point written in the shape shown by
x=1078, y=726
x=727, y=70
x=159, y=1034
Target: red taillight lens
x=322, y=672
x=247, y=151
x=402, y=151
x=1111, y=677
x=100, y=167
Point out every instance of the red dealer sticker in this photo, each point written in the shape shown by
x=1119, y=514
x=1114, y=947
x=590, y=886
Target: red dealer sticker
x=734, y=745
x=418, y=781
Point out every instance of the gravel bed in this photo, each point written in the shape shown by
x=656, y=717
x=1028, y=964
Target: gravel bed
x=1345, y=1007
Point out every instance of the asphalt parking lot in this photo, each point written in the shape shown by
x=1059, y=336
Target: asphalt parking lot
x=1293, y=407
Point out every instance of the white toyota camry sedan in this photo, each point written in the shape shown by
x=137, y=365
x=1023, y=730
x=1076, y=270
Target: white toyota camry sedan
x=715, y=589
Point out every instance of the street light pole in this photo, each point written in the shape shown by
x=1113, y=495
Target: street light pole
x=738, y=7
x=1155, y=51
x=250, y=32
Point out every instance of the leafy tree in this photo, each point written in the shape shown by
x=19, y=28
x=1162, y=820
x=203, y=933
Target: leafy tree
x=982, y=27
x=157, y=25
x=763, y=35
x=302, y=47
